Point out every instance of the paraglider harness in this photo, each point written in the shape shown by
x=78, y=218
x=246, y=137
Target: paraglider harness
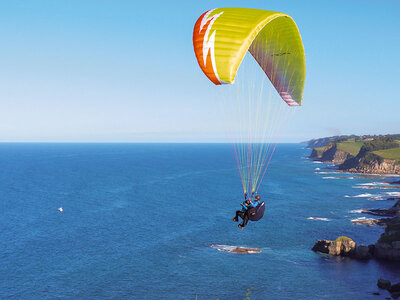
x=255, y=213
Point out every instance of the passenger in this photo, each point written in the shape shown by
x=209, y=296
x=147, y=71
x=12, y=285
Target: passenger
x=248, y=206
x=244, y=213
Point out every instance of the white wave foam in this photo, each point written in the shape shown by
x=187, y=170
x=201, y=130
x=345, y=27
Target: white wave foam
x=356, y=211
x=372, y=183
x=223, y=247
x=393, y=193
x=331, y=177
x=362, y=219
x=317, y=162
x=377, y=198
x=319, y=219
x=227, y=248
x=365, y=187
x=317, y=169
x=359, y=196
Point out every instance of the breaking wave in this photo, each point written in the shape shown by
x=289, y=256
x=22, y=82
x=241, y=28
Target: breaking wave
x=356, y=211
x=319, y=219
x=372, y=183
x=366, y=195
x=393, y=193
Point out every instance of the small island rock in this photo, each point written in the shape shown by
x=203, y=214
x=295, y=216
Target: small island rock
x=394, y=288
x=343, y=246
x=383, y=284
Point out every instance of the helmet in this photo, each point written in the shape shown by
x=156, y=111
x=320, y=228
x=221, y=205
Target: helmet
x=257, y=197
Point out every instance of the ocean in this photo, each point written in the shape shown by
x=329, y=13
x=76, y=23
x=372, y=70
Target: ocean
x=139, y=222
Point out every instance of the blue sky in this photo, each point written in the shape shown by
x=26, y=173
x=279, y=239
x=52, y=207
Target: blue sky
x=125, y=71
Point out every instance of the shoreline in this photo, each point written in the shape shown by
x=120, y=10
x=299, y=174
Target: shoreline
x=353, y=172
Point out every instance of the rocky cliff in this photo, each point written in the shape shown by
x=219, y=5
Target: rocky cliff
x=386, y=248
x=371, y=166
x=366, y=161
x=330, y=153
x=388, y=245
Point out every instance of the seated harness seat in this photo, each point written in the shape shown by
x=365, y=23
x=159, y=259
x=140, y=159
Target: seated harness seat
x=256, y=213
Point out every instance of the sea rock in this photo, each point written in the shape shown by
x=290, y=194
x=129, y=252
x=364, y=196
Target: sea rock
x=342, y=246
x=235, y=249
x=390, y=212
x=245, y=250
x=362, y=252
x=386, y=252
x=383, y=284
x=368, y=222
x=371, y=249
x=396, y=245
x=388, y=245
x=322, y=246
x=394, y=288
x=395, y=295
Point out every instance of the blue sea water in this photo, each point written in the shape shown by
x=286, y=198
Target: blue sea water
x=139, y=220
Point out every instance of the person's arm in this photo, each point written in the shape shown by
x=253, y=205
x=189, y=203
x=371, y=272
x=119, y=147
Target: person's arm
x=253, y=204
x=246, y=204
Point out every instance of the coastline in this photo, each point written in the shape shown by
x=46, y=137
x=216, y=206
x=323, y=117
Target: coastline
x=387, y=247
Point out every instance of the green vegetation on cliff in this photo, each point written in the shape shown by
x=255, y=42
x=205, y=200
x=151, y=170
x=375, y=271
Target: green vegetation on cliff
x=381, y=143
x=343, y=239
x=367, y=154
x=393, y=153
x=350, y=146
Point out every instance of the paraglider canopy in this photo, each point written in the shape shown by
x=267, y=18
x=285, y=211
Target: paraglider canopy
x=222, y=36
x=221, y=39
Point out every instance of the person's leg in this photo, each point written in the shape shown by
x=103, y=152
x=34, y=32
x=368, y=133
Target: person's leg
x=245, y=220
x=238, y=214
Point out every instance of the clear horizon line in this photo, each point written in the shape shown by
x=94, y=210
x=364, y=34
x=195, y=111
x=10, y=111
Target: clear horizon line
x=126, y=142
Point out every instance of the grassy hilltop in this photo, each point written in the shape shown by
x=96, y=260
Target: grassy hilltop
x=365, y=154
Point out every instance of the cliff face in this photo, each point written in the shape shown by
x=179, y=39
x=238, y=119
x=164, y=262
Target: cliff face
x=330, y=153
x=366, y=161
x=386, y=248
x=388, y=245
x=370, y=165
x=375, y=167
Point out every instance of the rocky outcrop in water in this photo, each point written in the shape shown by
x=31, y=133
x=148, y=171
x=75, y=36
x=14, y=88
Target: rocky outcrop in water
x=342, y=246
x=383, y=284
x=388, y=245
x=236, y=249
x=390, y=212
x=386, y=248
x=394, y=289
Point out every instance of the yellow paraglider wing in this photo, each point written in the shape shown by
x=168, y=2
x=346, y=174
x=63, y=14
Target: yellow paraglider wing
x=222, y=36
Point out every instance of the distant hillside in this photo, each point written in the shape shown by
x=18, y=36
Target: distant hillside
x=326, y=140
x=361, y=154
